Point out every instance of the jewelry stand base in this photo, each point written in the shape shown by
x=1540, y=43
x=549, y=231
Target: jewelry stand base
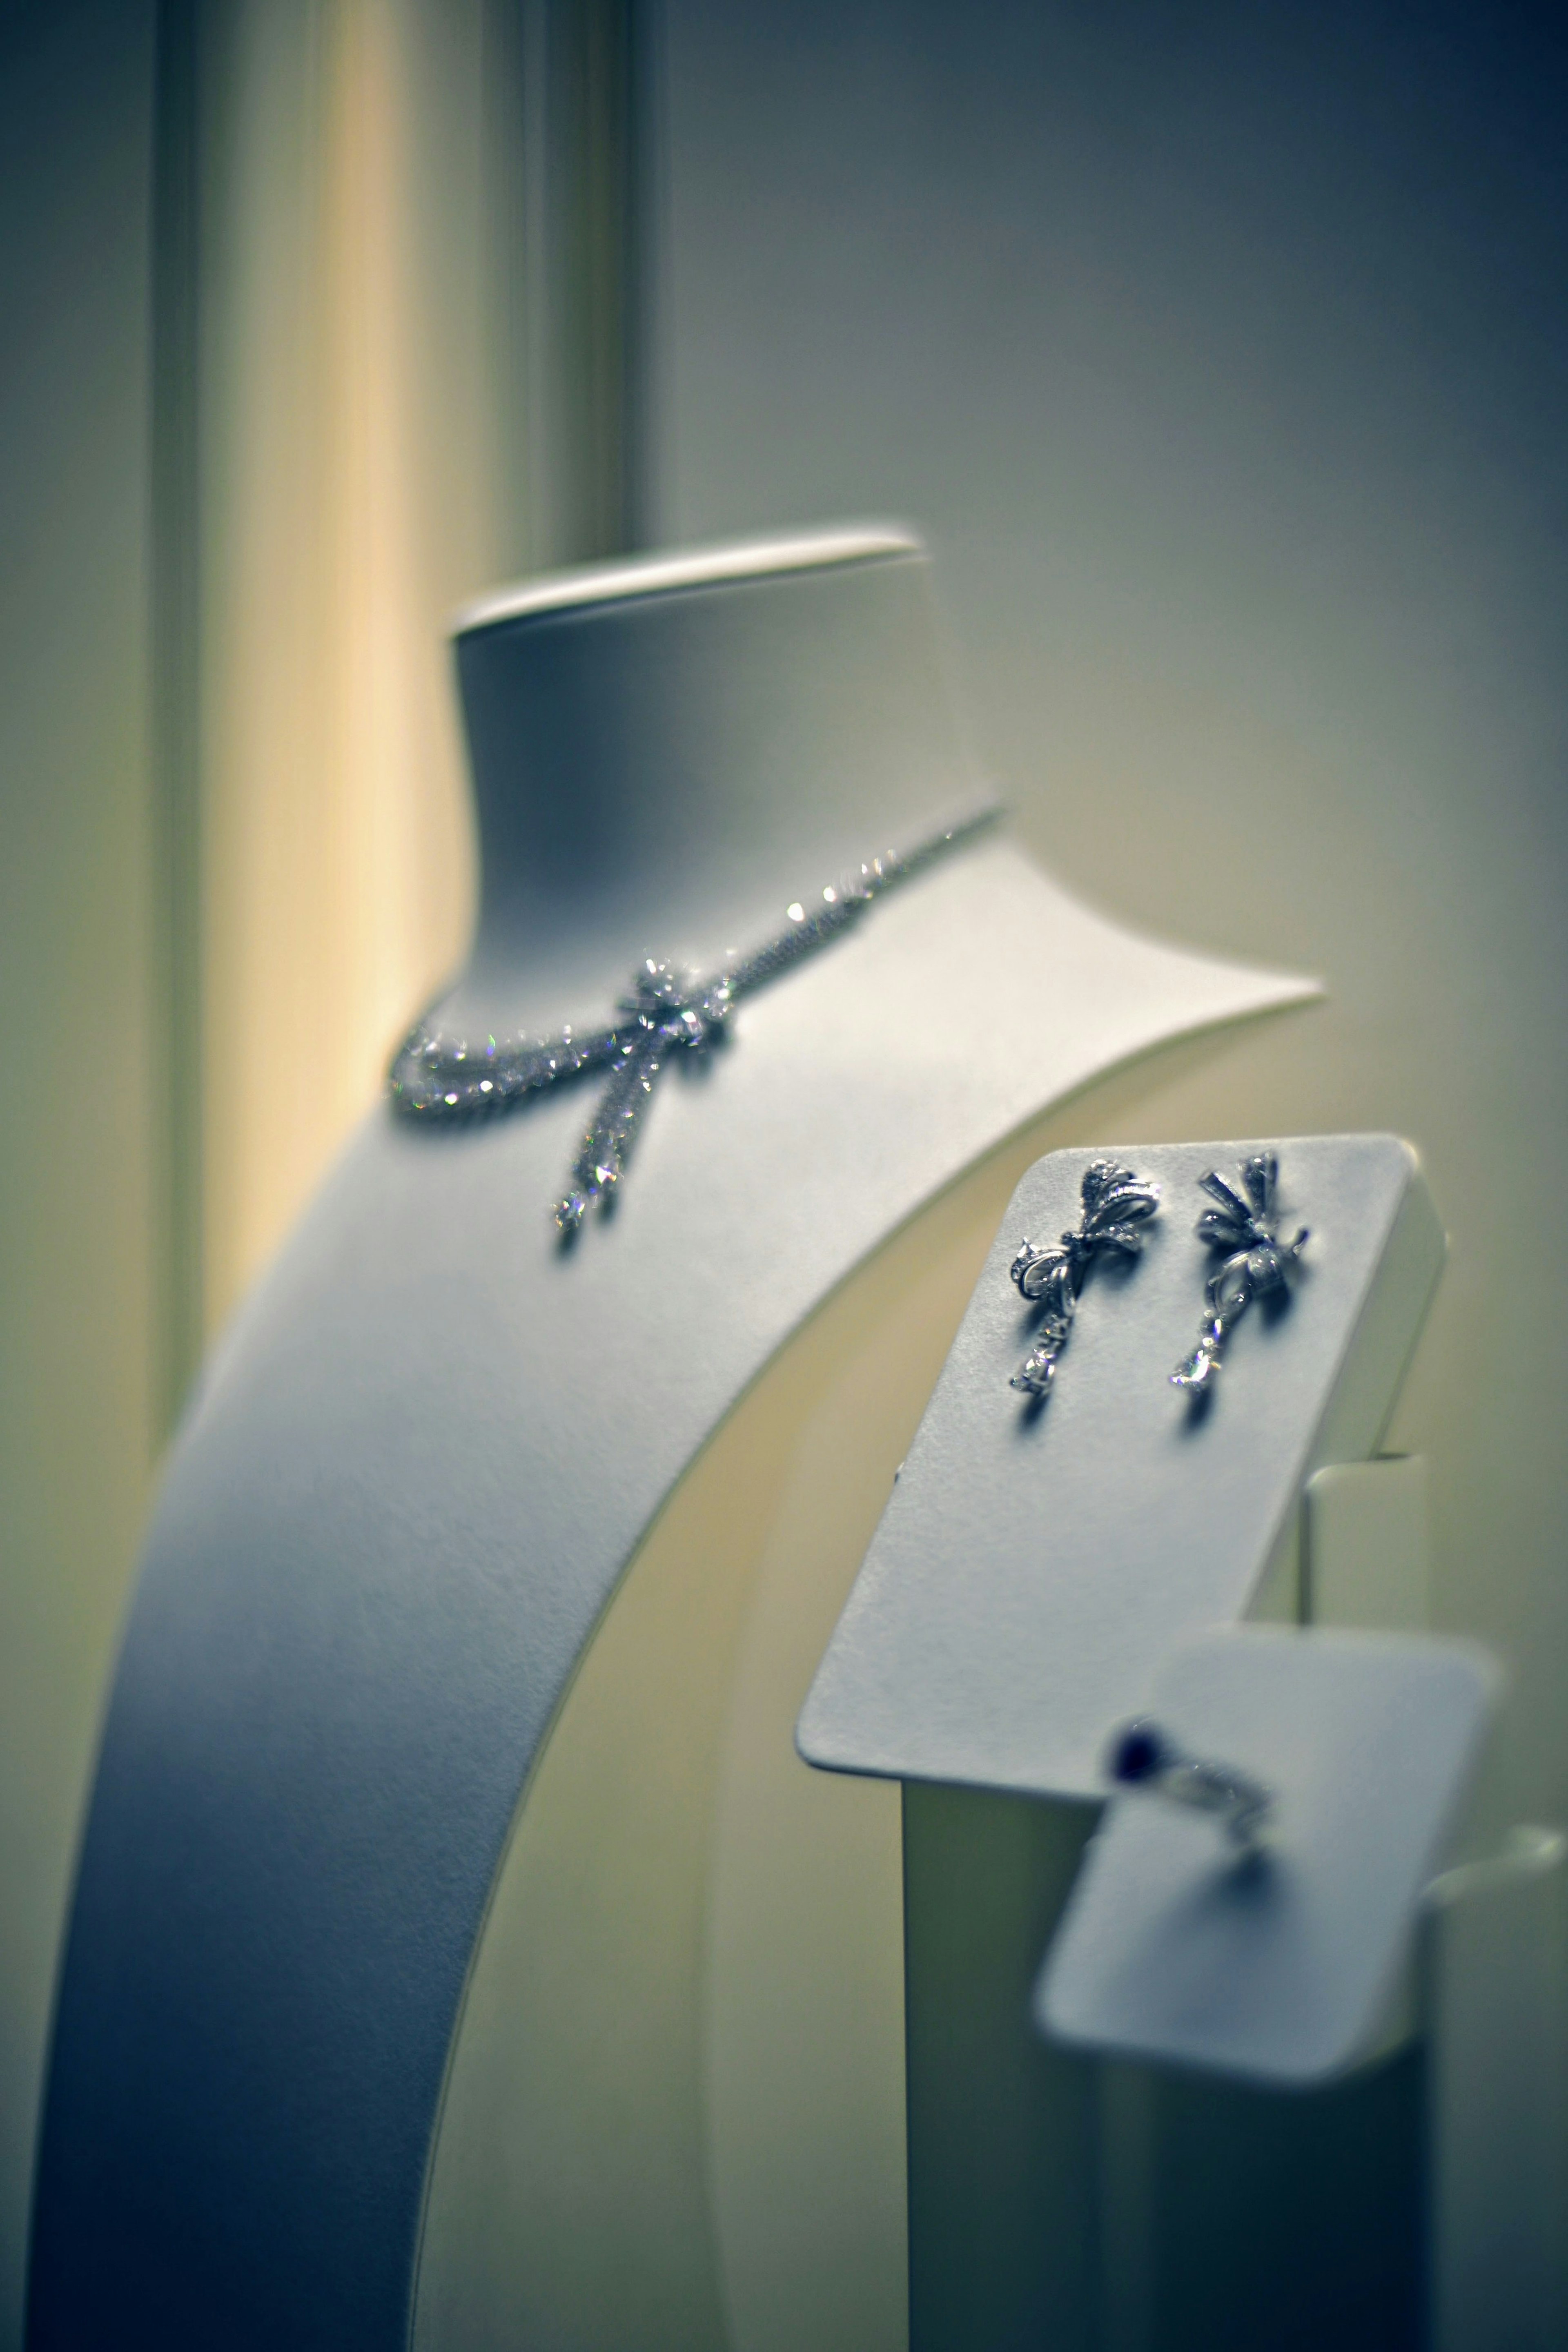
x=1494, y=2003
x=1081, y=2202
x=1003, y=2125
x=1417, y=2203
x=1033, y=2171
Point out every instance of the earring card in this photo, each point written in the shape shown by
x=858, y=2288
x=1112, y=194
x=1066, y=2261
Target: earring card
x=1039, y=1561
x=1276, y=1968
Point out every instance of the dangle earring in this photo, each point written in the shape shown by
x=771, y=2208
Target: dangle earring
x=1257, y=1262
x=1116, y=1206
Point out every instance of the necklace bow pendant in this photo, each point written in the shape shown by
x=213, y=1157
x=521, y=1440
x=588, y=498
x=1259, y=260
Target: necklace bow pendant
x=671, y=1012
x=437, y=1078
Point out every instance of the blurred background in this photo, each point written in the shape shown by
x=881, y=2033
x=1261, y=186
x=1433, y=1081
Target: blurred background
x=1220, y=354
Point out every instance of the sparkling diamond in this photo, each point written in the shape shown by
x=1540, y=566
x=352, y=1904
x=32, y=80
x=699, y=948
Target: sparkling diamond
x=570, y=1211
x=668, y=1009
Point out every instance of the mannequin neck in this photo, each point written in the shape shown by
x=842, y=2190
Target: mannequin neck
x=666, y=753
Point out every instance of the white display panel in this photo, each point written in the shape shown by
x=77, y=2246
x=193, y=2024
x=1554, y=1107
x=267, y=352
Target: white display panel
x=1038, y=1564
x=1276, y=1965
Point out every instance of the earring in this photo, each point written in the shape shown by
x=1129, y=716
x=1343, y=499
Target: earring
x=1257, y=1262
x=1115, y=1206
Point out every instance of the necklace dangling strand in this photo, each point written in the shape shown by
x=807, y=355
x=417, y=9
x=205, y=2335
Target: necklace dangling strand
x=437, y=1077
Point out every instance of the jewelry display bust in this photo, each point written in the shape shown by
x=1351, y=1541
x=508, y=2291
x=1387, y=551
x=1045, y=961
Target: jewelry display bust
x=405, y=1498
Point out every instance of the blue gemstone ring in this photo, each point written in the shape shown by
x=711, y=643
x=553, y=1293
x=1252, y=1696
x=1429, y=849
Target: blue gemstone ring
x=1143, y=1757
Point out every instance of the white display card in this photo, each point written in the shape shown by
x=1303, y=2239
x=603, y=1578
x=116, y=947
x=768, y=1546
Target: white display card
x=1277, y=1967
x=1038, y=1563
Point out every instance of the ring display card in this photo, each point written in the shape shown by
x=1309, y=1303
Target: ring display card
x=1040, y=1560
x=1277, y=1967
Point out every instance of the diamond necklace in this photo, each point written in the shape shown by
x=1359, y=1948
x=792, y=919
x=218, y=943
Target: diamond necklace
x=436, y=1076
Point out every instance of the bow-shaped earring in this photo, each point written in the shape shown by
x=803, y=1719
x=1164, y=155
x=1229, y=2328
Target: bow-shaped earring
x=1116, y=1205
x=1256, y=1262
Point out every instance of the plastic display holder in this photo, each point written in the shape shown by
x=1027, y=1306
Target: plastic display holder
x=1037, y=1564
x=1278, y=1966
x=1033, y=1571
x=1331, y=1953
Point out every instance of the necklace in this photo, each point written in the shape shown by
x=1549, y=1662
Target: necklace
x=435, y=1077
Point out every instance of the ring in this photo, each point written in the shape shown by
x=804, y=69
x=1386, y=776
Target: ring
x=1143, y=1757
